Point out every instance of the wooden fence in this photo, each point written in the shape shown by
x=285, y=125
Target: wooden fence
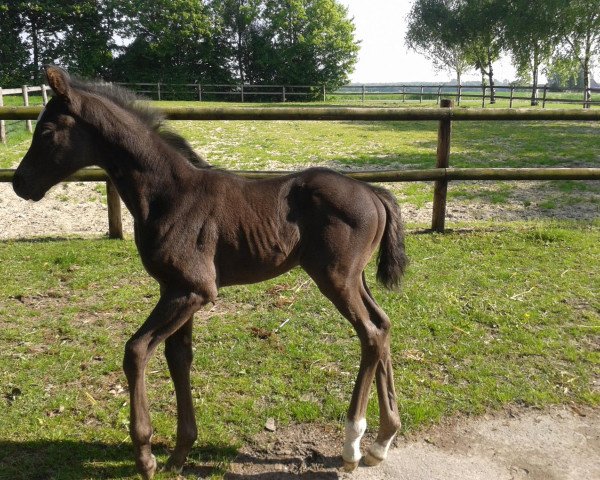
x=400, y=92
x=24, y=91
x=440, y=175
x=404, y=93
x=228, y=92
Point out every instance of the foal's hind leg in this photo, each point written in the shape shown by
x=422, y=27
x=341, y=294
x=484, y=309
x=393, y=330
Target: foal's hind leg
x=389, y=419
x=372, y=326
x=178, y=351
x=170, y=314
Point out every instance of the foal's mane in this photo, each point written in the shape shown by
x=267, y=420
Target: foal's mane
x=151, y=117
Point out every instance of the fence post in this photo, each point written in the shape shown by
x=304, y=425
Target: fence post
x=113, y=201
x=440, y=187
x=26, y=103
x=158, y=90
x=324, y=94
x=199, y=92
x=44, y=94
x=283, y=93
x=403, y=94
x=512, y=89
x=544, y=97
x=421, y=95
x=439, y=95
x=2, y=122
x=363, y=94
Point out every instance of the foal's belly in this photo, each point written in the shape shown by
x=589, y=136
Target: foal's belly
x=243, y=270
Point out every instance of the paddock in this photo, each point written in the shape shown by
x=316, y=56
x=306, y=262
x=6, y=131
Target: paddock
x=491, y=316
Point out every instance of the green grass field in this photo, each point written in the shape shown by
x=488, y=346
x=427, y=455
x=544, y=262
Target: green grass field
x=491, y=314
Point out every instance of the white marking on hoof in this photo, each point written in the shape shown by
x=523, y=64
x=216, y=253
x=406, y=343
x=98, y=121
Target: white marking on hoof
x=349, y=467
x=378, y=453
x=149, y=473
x=354, y=432
x=371, y=460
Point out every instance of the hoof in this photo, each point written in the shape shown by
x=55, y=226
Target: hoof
x=371, y=460
x=350, y=466
x=172, y=466
x=147, y=472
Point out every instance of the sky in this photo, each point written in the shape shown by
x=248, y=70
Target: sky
x=383, y=57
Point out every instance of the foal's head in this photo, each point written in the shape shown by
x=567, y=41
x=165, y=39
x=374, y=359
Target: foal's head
x=61, y=144
x=67, y=137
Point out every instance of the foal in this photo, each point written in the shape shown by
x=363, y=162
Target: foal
x=199, y=229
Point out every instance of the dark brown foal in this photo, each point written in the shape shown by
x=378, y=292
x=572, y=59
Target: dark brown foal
x=199, y=229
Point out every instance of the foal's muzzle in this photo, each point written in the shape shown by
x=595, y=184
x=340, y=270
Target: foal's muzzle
x=22, y=189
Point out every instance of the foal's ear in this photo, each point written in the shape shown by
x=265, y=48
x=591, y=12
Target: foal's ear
x=59, y=80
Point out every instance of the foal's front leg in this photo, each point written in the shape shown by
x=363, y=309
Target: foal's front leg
x=173, y=310
x=178, y=351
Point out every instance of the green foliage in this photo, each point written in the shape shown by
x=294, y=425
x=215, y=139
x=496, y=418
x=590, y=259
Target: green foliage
x=13, y=51
x=182, y=41
x=432, y=31
x=461, y=32
x=580, y=31
x=313, y=42
x=531, y=34
x=172, y=42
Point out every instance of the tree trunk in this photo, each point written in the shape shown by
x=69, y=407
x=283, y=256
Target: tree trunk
x=458, y=80
x=36, y=47
x=491, y=78
x=535, y=74
x=240, y=57
x=587, y=94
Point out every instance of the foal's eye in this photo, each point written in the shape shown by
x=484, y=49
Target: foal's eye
x=47, y=130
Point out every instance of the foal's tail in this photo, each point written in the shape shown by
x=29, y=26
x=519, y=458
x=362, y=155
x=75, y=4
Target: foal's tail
x=392, y=259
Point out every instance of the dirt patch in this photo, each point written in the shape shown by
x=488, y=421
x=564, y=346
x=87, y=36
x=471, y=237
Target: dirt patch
x=560, y=443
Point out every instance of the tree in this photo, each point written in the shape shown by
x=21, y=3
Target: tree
x=40, y=22
x=87, y=45
x=459, y=31
x=580, y=32
x=172, y=42
x=479, y=30
x=432, y=31
x=312, y=42
x=530, y=30
x=13, y=51
x=238, y=27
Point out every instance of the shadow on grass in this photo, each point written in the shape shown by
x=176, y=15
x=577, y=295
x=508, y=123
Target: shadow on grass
x=72, y=460
x=53, y=239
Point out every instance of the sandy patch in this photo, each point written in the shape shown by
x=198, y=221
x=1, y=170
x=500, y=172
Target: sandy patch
x=560, y=443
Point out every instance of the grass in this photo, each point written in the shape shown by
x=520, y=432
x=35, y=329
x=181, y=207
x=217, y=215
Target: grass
x=487, y=316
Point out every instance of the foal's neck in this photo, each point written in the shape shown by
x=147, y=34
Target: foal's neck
x=142, y=166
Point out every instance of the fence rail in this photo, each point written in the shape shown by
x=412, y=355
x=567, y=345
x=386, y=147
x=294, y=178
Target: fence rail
x=381, y=114
x=441, y=175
